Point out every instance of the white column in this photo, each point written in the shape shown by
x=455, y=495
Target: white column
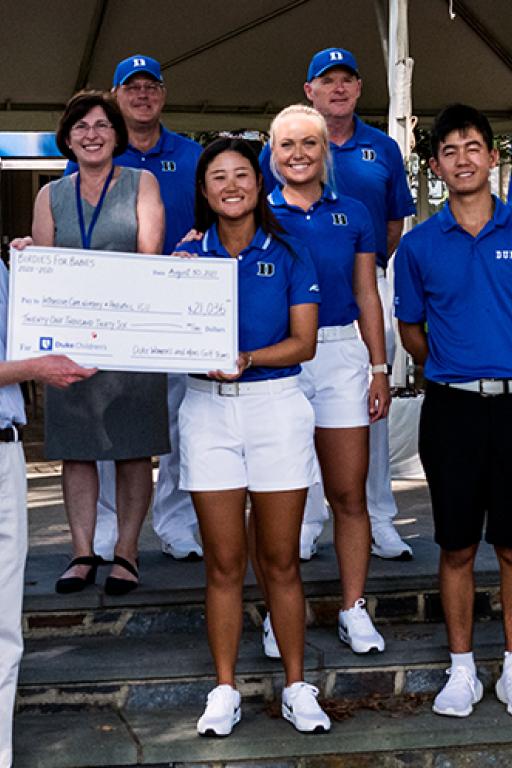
x=400, y=123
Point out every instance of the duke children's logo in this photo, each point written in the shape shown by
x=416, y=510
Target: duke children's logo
x=339, y=219
x=369, y=155
x=506, y=255
x=265, y=269
x=45, y=343
x=168, y=165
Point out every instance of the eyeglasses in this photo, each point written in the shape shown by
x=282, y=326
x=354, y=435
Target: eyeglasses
x=136, y=89
x=82, y=128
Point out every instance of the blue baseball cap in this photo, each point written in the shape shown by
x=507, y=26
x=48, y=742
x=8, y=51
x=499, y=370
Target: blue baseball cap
x=329, y=58
x=133, y=65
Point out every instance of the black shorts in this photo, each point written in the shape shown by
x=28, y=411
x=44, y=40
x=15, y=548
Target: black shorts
x=466, y=450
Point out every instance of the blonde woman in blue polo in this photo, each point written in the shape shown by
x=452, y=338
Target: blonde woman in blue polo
x=339, y=234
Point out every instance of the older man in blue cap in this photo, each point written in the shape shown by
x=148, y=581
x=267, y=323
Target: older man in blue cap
x=141, y=94
x=367, y=165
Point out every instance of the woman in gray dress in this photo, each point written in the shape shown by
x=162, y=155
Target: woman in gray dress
x=113, y=415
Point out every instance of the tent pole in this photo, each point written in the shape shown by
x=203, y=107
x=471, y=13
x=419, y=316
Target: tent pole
x=381, y=14
x=400, y=124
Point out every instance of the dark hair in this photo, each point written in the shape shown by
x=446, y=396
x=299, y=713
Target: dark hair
x=205, y=217
x=78, y=106
x=459, y=117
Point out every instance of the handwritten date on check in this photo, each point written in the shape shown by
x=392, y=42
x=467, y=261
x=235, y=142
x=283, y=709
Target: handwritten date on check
x=124, y=311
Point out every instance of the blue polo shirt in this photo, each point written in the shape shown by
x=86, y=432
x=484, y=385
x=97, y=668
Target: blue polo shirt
x=273, y=275
x=12, y=408
x=369, y=167
x=173, y=161
x=462, y=287
x=334, y=229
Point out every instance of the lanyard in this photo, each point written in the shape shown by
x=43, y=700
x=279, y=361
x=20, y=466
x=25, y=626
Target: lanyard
x=86, y=235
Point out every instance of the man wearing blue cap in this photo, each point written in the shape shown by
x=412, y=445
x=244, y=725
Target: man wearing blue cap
x=140, y=91
x=368, y=166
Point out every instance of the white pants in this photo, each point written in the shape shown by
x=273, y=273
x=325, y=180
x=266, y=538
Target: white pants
x=379, y=496
x=381, y=503
x=13, y=537
x=174, y=518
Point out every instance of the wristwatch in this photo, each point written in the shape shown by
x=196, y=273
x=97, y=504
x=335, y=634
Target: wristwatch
x=382, y=368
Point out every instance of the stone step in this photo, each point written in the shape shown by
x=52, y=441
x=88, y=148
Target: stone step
x=404, y=735
x=171, y=594
x=175, y=669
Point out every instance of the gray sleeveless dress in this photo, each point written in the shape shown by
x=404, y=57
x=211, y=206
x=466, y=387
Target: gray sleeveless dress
x=113, y=415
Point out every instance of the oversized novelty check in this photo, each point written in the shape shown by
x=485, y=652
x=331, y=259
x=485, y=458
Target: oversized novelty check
x=124, y=311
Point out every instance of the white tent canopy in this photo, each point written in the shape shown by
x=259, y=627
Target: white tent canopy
x=233, y=63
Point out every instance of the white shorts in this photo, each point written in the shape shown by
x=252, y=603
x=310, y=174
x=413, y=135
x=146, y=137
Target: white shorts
x=262, y=439
x=336, y=383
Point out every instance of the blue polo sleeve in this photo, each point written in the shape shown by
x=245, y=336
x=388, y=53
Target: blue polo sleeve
x=409, y=290
x=269, y=179
x=399, y=202
x=304, y=287
x=195, y=247
x=366, y=242
x=70, y=168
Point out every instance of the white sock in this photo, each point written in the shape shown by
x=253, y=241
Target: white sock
x=464, y=660
x=507, y=661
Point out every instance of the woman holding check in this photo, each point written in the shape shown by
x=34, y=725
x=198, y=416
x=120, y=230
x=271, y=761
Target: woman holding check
x=113, y=415
x=252, y=431
x=339, y=234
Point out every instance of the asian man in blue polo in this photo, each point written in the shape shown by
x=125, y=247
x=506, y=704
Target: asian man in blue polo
x=369, y=167
x=453, y=275
x=140, y=91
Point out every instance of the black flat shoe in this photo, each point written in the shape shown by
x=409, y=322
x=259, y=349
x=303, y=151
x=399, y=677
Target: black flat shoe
x=116, y=586
x=65, y=586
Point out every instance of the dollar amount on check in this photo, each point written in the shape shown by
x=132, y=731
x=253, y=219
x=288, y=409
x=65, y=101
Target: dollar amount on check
x=124, y=311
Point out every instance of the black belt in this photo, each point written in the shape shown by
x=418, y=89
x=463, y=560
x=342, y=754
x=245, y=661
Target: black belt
x=12, y=434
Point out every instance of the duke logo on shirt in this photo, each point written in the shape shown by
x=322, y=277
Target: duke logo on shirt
x=168, y=165
x=265, y=269
x=339, y=219
x=504, y=254
x=369, y=155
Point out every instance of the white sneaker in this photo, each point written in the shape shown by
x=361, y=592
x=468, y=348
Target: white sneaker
x=300, y=707
x=270, y=647
x=309, y=535
x=462, y=690
x=356, y=629
x=183, y=550
x=386, y=543
x=504, y=688
x=222, y=712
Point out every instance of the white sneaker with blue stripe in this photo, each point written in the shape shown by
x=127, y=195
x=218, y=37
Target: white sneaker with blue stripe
x=222, y=713
x=300, y=707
